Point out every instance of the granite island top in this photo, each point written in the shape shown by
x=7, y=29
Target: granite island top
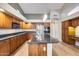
x=47, y=39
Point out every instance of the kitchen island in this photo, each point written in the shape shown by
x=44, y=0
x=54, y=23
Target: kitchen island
x=41, y=48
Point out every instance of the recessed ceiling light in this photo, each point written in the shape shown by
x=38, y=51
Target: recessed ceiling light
x=2, y=10
x=45, y=17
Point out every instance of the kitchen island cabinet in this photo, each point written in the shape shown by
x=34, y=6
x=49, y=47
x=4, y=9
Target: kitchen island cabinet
x=37, y=49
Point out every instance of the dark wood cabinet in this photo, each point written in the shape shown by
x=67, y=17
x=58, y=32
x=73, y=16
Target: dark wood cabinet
x=33, y=50
x=4, y=47
x=9, y=45
x=13, y=44
x=37, y=49
x=65, y=30
x=65, y=34
x=5, y=20
x=42, y=50
x=74, y=22
x=65, y=26
x=78, y=21
x=17, y=41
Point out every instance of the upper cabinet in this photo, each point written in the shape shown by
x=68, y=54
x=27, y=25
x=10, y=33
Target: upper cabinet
x=5, y=21
x=24, y=25
x=74, y=22
x=66, y=24
x=9, y=22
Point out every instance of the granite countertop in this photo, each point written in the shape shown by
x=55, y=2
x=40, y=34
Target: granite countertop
x=47, y=39
x=10, y=36
x=20, y=32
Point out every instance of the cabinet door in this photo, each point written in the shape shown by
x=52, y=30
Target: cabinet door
x=37, y=49
x=42, y=49
x=13, y=44
x=2, y=19
x=4, y=47
x=74, y=22
x=5, y=20
x=78, y=21
x=33, y=49
x=8, y=21
x=66, y=24
x=63, y=31
x=18, y=41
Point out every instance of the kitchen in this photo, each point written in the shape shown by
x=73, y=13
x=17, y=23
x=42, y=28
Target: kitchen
x=30, y=29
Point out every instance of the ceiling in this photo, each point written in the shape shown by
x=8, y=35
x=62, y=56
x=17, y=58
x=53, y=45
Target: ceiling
x=39, y=8
x=16, y=6
x=36, y=11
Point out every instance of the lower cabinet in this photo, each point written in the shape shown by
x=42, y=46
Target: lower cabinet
x=17, y=41
x=4, y=47
x=13, y=43
x=8, y=46
x=42, y=51
x=37, y=49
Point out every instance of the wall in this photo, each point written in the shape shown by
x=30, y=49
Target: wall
x=55, y=25
x=55, y=30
